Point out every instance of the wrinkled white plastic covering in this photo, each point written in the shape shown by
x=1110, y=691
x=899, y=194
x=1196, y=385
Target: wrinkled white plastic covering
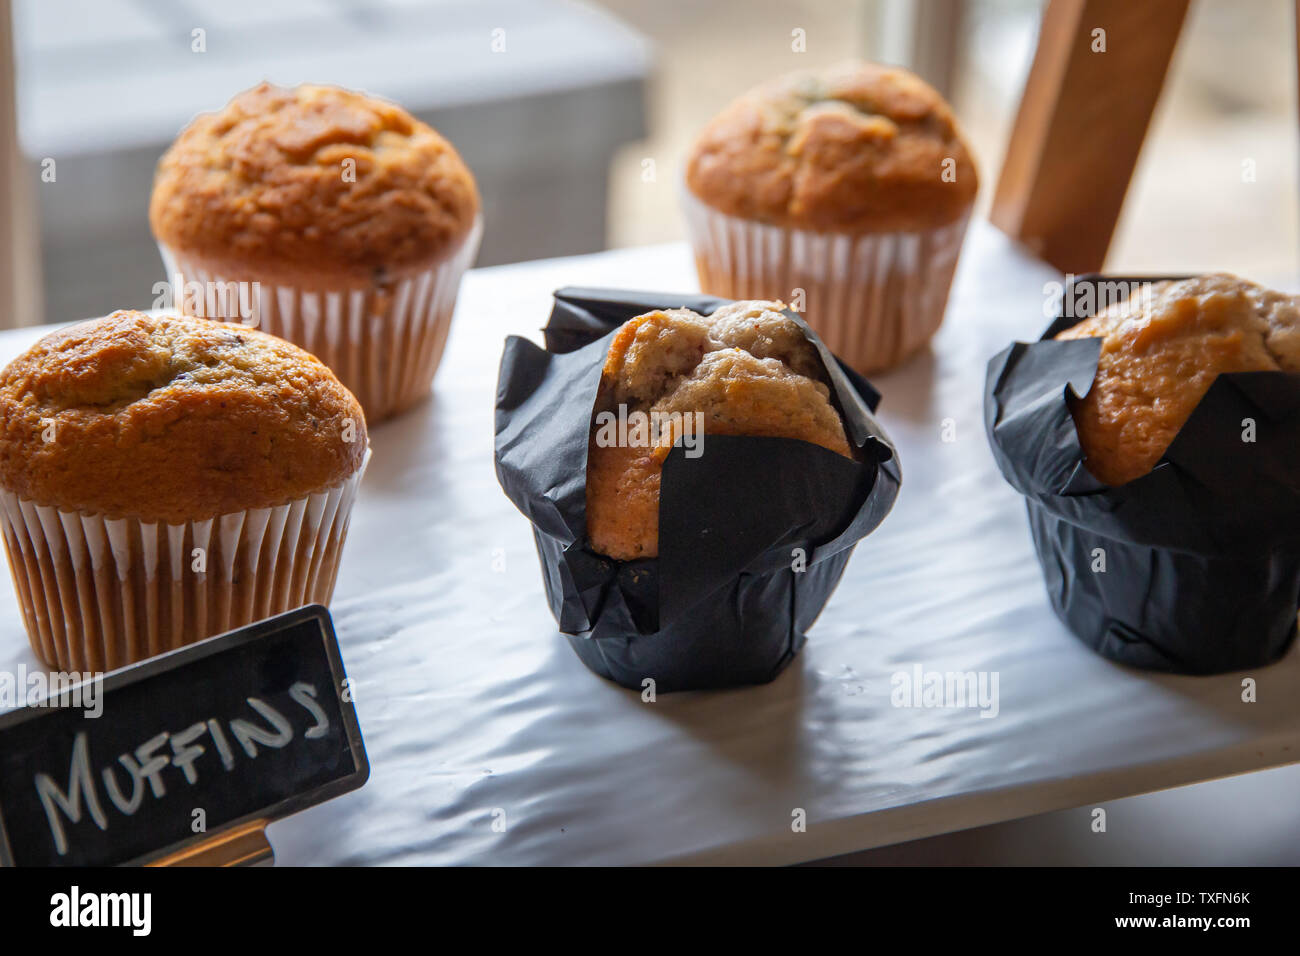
x=476, y=712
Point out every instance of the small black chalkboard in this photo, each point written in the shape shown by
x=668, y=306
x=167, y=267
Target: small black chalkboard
x=254, y=724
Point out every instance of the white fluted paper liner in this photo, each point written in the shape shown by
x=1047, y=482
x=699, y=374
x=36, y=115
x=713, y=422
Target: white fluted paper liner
x=874, y=299
x=99, y=593
x=383, y=342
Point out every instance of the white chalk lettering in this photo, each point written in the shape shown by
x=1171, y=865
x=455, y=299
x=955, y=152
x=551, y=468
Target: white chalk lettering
x=130, y=776
x=249, y=735
x=81, y=785
x=305, y=695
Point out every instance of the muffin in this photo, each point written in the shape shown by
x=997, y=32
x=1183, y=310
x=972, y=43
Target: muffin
x=167, y=478
x=745, y=370
x=1163, y=503
x=331, y=219
x=1161, y=350
x=852, y=184
x=696, y=474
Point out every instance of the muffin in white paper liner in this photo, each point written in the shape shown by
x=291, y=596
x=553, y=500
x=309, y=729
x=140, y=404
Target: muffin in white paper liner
x=99, y=593
x=383, y=341
x=874, y=298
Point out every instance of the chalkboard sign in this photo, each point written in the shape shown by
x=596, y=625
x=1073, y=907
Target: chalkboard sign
x=254, y=724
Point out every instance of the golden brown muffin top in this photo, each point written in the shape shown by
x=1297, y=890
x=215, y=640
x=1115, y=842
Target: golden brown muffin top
x=747, y=370
x=265, y=182
x=856, y=148
x=1161, y=351
x=172, y=419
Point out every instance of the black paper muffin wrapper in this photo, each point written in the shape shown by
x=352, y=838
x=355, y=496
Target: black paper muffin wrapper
x=1192, y=568
x=723, y=604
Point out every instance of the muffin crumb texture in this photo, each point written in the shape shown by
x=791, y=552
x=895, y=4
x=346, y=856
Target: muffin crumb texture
x=747, y=369
x=173, y=419
x=857, y=148
x=1161, y=352
x=313, y=179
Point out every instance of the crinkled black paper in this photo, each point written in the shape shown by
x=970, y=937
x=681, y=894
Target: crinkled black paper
x=722, y=604
x=1201, y=555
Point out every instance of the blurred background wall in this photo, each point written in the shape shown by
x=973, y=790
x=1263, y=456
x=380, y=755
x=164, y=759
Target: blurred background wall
x=536, y=94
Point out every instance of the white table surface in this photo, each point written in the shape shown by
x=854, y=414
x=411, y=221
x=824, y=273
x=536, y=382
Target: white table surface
x=475, y=711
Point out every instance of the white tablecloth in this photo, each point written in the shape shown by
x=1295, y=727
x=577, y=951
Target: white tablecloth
x=490, y=743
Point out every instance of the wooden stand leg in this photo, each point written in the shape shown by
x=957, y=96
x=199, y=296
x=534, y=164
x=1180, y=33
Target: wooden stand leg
x=1091, y=90
x=242, y=846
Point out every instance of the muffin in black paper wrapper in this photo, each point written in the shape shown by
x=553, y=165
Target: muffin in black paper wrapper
x=722, y=604
x=1192, y=568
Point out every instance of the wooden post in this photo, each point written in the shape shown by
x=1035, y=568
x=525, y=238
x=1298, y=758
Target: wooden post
x=936, y=43
x=1091, y=91
x=923, y=35
x=8, y=155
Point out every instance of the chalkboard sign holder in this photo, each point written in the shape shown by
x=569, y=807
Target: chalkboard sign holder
x=295, y=646
x=245, y=845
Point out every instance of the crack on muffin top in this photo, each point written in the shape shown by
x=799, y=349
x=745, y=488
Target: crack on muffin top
x=261, y=184
x=131, y=371
x=654, y=355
